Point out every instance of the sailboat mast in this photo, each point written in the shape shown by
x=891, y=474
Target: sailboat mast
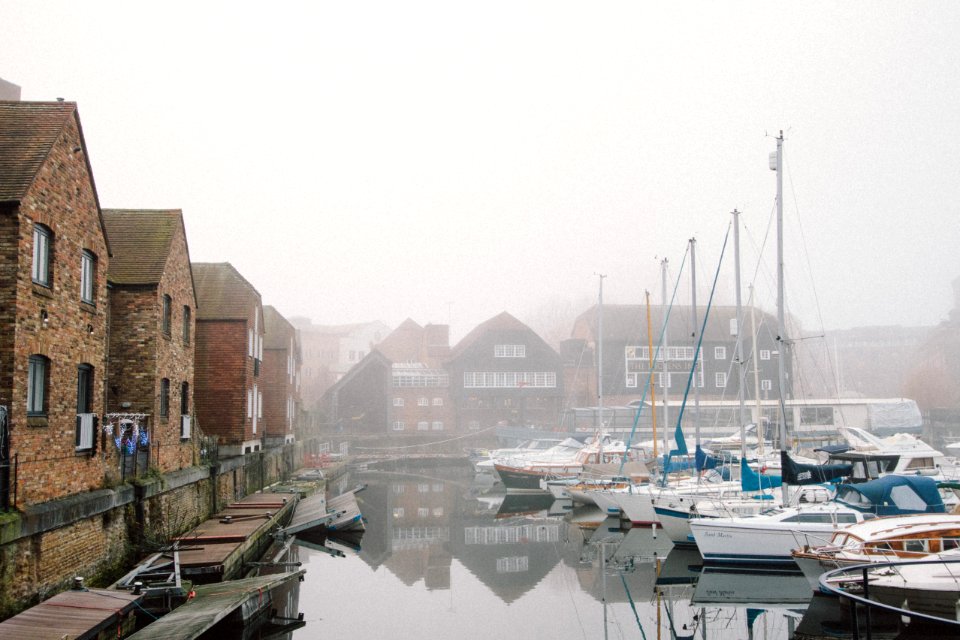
x=600, y=356
x=696, y=326
x=665, y=373
x=653, y=392
x=739, y=356
x=781, y=320
x=761, y=435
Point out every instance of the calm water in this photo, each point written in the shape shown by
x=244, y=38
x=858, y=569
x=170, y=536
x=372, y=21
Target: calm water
x=445, y=555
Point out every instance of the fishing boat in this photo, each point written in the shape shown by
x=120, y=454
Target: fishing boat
x=913, y=537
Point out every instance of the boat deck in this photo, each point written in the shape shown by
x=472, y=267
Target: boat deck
x=74, y=614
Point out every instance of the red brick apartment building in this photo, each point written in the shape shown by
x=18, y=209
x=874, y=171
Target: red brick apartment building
x=281, y=378
x=229, y=354
x=152, y=314
x=54, y=257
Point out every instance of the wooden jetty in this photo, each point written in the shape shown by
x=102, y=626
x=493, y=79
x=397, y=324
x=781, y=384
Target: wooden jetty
x=218, y=548
x=226, y=605
x=78, y=614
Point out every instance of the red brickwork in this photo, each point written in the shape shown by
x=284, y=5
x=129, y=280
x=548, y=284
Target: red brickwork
x=280, y=375
x=222, y=371
x=61, y=197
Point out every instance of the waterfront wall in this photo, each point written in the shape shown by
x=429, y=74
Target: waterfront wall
x=101, y=534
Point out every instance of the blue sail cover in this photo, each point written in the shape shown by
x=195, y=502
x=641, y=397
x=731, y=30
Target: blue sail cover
x=799, y=473
x=893, y=495
x=705, y=461
x=750, y=480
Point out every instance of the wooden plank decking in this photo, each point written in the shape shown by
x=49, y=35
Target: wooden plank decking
x=74, y=614
x=212, y=604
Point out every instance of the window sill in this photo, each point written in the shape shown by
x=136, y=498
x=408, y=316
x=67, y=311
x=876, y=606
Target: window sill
x=89, y=307
x=42, y=290
x=37, y=421
x=165, y=335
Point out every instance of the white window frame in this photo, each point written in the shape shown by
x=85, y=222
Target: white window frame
x=423, y=425
x=766, y=385
x=720, y=353
x=398, y=402
x=764, y=354
x=398, y=425
x=437, y=425
x=438, y=402
x=423, y=402
x=720, y=379
x=40, y=270
x=88, y=274
x=509, y=351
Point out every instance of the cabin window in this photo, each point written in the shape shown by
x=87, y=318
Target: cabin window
x=949, y=543
x=42, y=241
x=920, y=463
x=915, y=546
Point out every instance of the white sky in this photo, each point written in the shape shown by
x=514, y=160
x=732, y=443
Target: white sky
x=447, y=161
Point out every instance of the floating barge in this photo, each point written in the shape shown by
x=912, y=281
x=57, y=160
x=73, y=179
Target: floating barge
x=227, y=607
x=218, y=549
x=78, y=614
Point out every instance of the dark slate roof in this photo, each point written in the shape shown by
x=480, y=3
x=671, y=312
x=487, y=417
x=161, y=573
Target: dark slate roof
x=277, y=330
x=628, y=322
x=222, y=293
x=28, y=131
x=141, y=241
x=502, y=322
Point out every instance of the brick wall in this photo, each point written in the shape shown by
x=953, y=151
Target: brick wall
x=62, y=198
x=221, y=371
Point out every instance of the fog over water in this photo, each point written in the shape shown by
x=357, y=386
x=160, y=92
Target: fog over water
x=449, y=161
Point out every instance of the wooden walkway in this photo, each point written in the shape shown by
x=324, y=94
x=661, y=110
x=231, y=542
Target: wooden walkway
x=76, y=615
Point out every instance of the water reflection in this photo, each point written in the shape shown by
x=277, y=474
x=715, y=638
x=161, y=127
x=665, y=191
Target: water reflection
x=444, y=556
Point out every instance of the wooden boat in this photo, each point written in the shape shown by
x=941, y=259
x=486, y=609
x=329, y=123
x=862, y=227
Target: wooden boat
x=881, y=540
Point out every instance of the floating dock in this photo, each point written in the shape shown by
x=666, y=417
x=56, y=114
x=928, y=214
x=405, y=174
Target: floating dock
x=84, y=614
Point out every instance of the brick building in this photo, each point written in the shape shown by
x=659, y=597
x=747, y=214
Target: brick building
x=281, y=378
x=152, y=314
x=229, y=351
x=400, y=386
x=626, y=357
x=54, y=256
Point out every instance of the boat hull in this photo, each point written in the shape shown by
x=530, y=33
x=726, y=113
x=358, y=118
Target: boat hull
x=722, y=542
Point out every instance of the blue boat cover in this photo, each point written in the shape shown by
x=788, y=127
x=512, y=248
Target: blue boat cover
x=750, y=480
x=705, y=461
x=893, y=495
x=798, y=473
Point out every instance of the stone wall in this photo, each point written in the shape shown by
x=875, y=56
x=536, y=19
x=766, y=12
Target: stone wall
x=102, y=534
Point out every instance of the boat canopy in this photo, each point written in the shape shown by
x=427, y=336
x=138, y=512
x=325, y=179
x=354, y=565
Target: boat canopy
x=893, y=495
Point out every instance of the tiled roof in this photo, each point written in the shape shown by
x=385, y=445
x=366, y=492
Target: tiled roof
x=28, y=131
x=140, y=240
x=222, y=293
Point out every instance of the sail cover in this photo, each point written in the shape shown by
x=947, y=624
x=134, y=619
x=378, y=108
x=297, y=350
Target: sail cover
x=750, y=480
x=797, y=473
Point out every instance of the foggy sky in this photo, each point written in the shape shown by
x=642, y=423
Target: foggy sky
x=447, y=161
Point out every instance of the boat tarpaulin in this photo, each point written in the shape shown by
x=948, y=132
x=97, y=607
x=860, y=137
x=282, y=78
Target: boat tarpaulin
x=799, y=473
x=893, y=495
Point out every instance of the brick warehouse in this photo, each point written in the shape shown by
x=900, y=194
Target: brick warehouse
x=152, y=334
x=281, y=378
x=229, y=353
x=54, y=258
